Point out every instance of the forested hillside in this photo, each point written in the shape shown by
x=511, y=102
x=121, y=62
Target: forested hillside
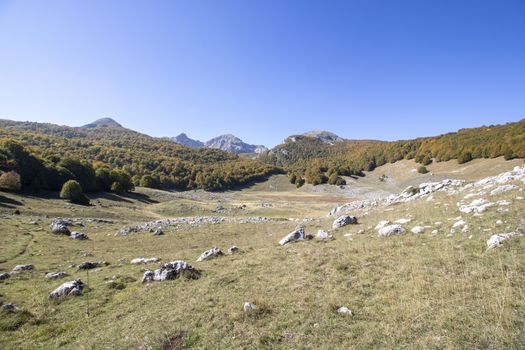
x=317, y=161
x=47, y=155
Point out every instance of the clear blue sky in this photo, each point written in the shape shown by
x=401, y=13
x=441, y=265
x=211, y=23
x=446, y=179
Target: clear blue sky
x=265, y=69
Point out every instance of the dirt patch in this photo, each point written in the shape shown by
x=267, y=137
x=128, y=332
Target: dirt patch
x=176, y=342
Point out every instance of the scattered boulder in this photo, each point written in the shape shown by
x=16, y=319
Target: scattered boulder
x=497, y=239
x=212, y=253
x=459, y=223
x=142, y=260
x=343, y=221
x=20, y=268
x=158, y=232
x=295, y=235
x=417, y=229
x=4, y=276
x=322, y=234
x=391, y=230
x=56, y=275
x=345, y=311
x=69, y=288
x=60, y=226
x=87, y=265
x=171, y=271
x=79, y=235
x=233, y=249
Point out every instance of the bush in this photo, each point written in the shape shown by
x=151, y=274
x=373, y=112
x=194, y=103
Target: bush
x=335, y=179
x=292, y=177
x=124, y=181
x=103, y=179
x=299, y=182
x=422, y=169
x=10, y=181
x=72, y=191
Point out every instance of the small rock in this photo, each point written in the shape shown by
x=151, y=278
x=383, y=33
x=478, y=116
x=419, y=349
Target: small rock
x=56, y=275
x=497, y=239
x=391, y=230
x=499, y=222
x=79, y=235
x=19, y=268
x=402, y=221
x=4, y=276
x=233, y=249
x=158, y=232
x=297, y=234
x=459, y=224
x=87, y=265
x=345, y=311
x=343, y=221
x=417, y=229
x=142, y=260
x=434, y=232
x=10, y=307
x=321, y=234
x=69, y=288
x=381, y=224
x=249, y=307
x=212, y=253
x=60, y=226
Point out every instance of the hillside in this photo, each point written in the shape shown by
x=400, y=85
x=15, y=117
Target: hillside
x=170, y=165
x=229, y=143
x=351, y=157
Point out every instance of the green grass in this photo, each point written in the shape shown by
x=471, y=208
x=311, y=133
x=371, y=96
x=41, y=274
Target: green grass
x=412, y=291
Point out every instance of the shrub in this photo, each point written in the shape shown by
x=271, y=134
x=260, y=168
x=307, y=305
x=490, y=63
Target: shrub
x=72, y=191
x=335, y=179
x=10, y=181
x=422, y=169
x=103, y=179
x=117, y=187
x=299, y=182
x=292, y=177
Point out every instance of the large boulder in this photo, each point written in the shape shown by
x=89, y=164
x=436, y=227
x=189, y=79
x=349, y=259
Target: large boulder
x=391, y=230
x=295, y=235
x=171, y=271
x=212, y=253
x=60, y=226
x=343, y=221
x=69, y=288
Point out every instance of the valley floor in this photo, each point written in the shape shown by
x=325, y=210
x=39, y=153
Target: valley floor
x=439, y=289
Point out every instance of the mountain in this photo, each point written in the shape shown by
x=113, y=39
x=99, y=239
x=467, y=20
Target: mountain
x=184, y=140
x=324, y=136
x=232, y=144
x=102, y=122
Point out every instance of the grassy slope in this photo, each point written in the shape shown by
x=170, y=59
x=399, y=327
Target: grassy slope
x=412, y=291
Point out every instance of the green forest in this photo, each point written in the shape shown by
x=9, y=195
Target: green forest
x=114, y=158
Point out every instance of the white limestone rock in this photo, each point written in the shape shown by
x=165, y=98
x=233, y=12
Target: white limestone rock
x=295, y=235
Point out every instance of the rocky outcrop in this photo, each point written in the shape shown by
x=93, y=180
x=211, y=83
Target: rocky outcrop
x=295, y=235
x=212, y=253
x=184, y=140
x=66, y=289
x=232, y=144
x=343, y=221
x=171, y=271
x=20, y=268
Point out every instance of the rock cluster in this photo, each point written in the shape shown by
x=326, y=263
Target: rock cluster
x=497, y=239
x=171, y=271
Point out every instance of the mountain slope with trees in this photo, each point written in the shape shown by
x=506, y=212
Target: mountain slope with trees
x=47, y=155
x=316, y=161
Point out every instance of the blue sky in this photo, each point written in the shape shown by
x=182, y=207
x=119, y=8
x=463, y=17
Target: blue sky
x=265, y=69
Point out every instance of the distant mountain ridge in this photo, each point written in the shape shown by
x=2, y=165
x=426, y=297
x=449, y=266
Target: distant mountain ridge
x=228, y=142
x=102, y=122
